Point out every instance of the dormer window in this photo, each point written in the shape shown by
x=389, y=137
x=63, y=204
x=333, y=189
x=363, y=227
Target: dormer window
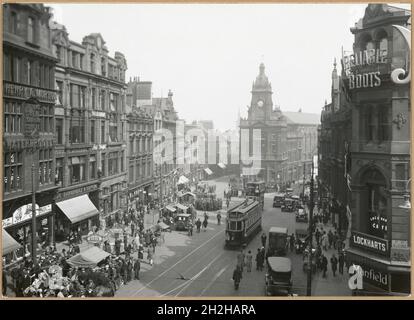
x=103, y=69
x=92, y=63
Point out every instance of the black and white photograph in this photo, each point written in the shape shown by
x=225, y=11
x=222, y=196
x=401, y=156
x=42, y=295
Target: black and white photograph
x=206, y=150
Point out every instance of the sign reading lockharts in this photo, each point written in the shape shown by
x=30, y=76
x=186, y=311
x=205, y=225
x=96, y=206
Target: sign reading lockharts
x=357, y=61
x=374, y=244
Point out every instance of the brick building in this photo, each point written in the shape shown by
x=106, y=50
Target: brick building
x=90, y=133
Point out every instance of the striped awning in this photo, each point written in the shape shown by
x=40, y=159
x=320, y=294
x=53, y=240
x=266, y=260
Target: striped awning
x=78, y=209
x=208, y=171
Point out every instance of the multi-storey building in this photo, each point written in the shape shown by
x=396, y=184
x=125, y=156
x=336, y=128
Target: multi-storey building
x=90, y=133
x=28, y=123
x=164, y=117
x=334, y=158
x=140, y=157
x=373, y=119
x=287, y=140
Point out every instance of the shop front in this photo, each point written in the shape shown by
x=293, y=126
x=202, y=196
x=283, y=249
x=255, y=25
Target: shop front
x=19, y=227
x=380, y=275
x=75, y=214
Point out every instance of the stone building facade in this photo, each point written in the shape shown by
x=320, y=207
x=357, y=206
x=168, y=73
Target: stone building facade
x=28, y=123
x=90, y=131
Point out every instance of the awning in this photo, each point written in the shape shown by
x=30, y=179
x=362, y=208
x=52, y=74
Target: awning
x=183, y=180
x=180, y=206
x=163, y=226
x=221, y=165
x=88, y=258
x=9, y=244
x=172, y=209
x=78, y=209
x=208, y=171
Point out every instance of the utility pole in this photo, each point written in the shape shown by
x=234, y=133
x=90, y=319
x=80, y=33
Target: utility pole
x=311, y=204
x=34, y=239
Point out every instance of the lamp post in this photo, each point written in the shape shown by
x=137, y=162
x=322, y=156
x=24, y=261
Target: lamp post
x=311, y=204
x=34, y=227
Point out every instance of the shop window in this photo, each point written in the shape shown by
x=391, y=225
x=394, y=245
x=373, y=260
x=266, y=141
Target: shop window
x=77, y=130
x=59, y=131
x=59, y=170
x=77, y=170
x=13, y=170
x=12, y=118
x=92, y=167
x=45, y=166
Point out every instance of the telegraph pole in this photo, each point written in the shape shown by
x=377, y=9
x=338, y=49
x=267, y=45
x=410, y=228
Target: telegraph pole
x=34, y=239
x=311, y=204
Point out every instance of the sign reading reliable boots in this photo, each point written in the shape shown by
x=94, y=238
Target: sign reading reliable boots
x=360, y=60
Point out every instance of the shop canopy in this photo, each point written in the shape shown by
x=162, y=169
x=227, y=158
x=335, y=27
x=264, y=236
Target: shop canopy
x=172, y=209
x=163, y=225
x=183, y=180
x=88, y=258
x=180, y=206
x=221, y=165
x=208, y=171
x=9, y=244
x=78, y=209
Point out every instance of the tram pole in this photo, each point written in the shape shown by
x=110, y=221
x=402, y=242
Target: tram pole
x=34, y=228
x=310, y=238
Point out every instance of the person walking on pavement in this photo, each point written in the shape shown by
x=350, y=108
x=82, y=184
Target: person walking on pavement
x=330, y=239
x=237, y=276
x=292, y=242
x=198, y=225
x=218, y=218
x=241, y=260
x=137, y=268
x=341, y=261
x=324, y=241
x=258, y=259
x=334, y=264
x=190, y=229
x=149, y=256
x=205, y=224
x=324, y=266
x=263, y=239
x=249, y=259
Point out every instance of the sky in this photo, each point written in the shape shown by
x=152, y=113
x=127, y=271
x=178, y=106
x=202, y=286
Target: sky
x=209, y=55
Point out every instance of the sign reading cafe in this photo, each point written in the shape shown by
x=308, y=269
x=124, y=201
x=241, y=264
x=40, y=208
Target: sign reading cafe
x=353, y=62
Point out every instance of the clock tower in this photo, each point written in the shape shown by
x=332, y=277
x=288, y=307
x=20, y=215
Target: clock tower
x=272, y=126
x=261, y=105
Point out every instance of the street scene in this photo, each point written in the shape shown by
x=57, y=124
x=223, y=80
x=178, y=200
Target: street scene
x=198, y=159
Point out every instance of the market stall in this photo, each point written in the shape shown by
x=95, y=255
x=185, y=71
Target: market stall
x=88, y=258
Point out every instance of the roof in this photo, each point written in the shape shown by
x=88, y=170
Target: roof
x=302, y=117
x=280, y=264
x=278, y=230
x=244, y=206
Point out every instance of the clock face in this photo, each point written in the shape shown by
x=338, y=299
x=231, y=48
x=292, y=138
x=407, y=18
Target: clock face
x=260, y=103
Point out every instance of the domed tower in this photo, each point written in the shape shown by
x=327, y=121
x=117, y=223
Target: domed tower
x=261, y=104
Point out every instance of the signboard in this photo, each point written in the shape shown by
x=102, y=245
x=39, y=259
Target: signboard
x=26, y=92
x=354, y=63
x=372, y=275
x=24, y=213
x=94, y=238
x=76, y=192
x=371, y=243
